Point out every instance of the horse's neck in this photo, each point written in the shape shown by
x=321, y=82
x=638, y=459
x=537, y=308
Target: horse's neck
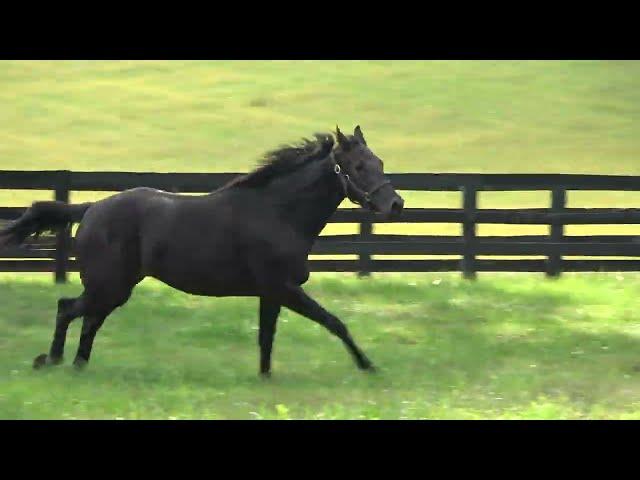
x=308, y=199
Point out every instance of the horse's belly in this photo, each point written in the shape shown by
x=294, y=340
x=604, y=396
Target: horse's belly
x=210, y=289
x=212, y=275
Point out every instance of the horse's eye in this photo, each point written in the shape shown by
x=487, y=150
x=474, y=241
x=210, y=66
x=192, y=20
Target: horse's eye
x=359, y=167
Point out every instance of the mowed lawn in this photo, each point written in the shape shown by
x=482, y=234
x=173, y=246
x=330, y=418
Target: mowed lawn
x=505, y=346
x=509, y=346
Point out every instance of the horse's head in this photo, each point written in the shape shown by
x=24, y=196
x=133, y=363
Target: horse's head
x=363, y=177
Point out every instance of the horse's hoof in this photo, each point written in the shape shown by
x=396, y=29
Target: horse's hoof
x=368, y=367
x=265, y=375
x=79, y=363
x=364, y=363
x=44, y=360
x=40, y=361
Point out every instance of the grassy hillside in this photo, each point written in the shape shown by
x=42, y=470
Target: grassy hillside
x=465, y=116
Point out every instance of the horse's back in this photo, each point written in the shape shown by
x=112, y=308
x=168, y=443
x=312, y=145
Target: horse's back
x=117, y=215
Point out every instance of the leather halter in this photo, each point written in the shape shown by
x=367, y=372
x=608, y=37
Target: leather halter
x=352, y=191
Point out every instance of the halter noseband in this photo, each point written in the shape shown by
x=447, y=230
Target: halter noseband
x=358, y=195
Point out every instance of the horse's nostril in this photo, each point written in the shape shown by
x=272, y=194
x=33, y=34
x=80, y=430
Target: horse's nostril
x=397, y=205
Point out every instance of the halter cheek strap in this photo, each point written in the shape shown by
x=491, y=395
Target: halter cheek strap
x=343, y=178
x=351, y=190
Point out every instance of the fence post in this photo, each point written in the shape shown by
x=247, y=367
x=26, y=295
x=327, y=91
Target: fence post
x=63, y=237
x=558, y=203
x=469, y=204
x=366, y=229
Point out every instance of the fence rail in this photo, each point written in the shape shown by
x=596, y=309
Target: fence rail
x=55, y=254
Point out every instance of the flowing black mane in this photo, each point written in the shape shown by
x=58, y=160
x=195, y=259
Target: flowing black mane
x=285, y=160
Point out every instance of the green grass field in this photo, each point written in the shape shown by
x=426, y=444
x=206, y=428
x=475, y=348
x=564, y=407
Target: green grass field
x=505, y=346
x=513, y=346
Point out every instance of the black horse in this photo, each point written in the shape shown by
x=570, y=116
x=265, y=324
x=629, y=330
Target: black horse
x=251, y=237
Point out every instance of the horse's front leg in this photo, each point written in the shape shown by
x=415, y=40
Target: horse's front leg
x=296, y=299
x=269, y=311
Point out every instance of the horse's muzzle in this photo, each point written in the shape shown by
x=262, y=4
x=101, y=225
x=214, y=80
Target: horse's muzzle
x=396, y=207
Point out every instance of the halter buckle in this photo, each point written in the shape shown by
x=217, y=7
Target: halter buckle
x=337, y=169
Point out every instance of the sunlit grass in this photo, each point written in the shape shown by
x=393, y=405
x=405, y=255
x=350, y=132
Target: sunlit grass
x=505, y=346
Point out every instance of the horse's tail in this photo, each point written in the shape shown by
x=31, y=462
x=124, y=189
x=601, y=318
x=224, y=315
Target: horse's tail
x=41, y=217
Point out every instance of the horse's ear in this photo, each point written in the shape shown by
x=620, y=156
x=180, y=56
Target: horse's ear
x=358, y=134
x=342, y=140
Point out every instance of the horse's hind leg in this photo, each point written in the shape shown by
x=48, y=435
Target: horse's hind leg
x=98, y=306
x=68, y=310
x=90, y=326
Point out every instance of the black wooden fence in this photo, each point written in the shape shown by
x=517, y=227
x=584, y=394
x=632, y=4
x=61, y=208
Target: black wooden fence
x=56, y=254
